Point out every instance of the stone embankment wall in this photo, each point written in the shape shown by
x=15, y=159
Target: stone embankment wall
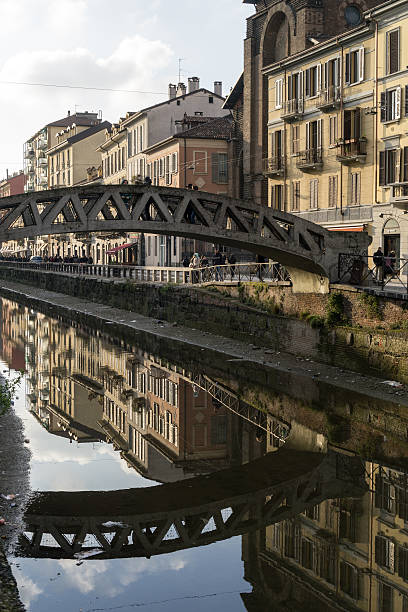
x=371, y=335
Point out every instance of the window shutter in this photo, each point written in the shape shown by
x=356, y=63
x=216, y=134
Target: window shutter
x=319, y=78
x=398, y=165
x=361, y=64
x=405, y=173
x=391, y=564
x=406, y=99
x=357, y=123
x=393, y=51
x=278, y=93
x=307, y=82
x=319, y=133
x=300, y=91
x=382, y=168
x=308, y=135
x=325, y=75
x=347, y=125
x=383, y=105
x=214, y=166
x=398, y=103
x=347, y=69
x=337, y=72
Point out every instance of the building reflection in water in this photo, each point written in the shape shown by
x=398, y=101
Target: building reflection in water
x=343, y=554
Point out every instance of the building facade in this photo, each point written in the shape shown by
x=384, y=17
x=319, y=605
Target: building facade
x=337, y=146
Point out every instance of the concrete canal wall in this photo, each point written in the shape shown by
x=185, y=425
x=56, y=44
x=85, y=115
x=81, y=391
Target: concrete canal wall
x=372, y=336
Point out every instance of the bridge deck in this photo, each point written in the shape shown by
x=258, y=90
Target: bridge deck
x=260, y=475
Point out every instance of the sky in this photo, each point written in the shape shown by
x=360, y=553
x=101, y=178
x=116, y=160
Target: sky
x=128, y=45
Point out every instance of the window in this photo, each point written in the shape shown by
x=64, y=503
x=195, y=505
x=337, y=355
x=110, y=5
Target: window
x=314, y=193
x=355, y=181
x=161, y=167
x=295, y=202
x=200, y=162
x=295, y=86
x=130, y=150
x=167, y=169
x=211, y=100
x=384, y=552
x=331, y=74
x=352, y=124
x=385, y=597
x=389, y=166
x=219, y=163
x=307, y=553
x=354, y=69
x=332, y=191
x=174, y=163
x=278, y=93
x=391, y=104
x=332, y=130
x=312, y=81
x=403, y=562
x=277, y=197
x=349, y=579
x=276, y=144
x=314, y=134
x=295, y=139
x=141, y=139
x=393, y=51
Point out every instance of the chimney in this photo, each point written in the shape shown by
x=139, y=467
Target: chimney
x=218, y=88
x=181, y=89
x=69, y=113
x=172, y=91
x=193, y=84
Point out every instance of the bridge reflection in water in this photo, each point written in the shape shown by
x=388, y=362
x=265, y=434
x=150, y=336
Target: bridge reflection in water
x=194, y=512
x=317, y=533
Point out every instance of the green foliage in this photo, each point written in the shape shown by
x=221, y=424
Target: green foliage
x=315, y=321
x=400, y=325
x=335, y=314
x=371, y=304
x=7, y=392
x=304, y=314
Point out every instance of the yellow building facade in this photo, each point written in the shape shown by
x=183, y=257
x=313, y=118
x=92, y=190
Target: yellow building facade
x=337, y=140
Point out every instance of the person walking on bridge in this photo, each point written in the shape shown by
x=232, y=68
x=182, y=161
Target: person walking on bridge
x=378, y=260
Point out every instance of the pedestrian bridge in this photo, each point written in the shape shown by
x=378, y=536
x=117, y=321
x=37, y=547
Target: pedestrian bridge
x=308, y=251
x=188, y=513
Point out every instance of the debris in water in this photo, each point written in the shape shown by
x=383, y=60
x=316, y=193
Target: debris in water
x=392, y=383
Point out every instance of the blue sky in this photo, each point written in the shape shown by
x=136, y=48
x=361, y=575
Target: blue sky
x=130, y=44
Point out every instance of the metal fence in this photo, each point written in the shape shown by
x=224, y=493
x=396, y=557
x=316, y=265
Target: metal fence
x=366, y=270
x=239, y=272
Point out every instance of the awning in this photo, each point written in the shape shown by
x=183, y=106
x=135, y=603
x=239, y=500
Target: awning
x=120, y=248
x=347, y=228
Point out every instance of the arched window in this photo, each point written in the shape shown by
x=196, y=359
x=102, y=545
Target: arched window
x=276, y=44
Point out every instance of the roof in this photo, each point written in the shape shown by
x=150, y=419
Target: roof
x=77, y=118
x=172, y=100
x=216, y=129
x=82, y=135
x=235, y=94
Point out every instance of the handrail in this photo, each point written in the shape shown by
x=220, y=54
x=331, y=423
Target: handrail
x=240, y=272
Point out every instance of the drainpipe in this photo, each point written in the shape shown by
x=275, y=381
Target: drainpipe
x=285, y=198
x=185, y=163
x=375, y=115
x=341, y=126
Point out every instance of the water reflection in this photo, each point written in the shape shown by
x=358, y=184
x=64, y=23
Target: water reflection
x=321, y=530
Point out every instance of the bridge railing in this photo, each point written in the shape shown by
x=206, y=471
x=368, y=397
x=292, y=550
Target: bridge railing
x=386, y=272
x=270, y=272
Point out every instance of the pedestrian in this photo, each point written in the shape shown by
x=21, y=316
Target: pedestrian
x=195, y=264
x=217, y=261
x=148, y=181
x=232, y=260
x=378, y=259
x=260, y=259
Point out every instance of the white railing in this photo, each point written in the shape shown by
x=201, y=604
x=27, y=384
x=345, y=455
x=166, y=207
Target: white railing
x=271, y=272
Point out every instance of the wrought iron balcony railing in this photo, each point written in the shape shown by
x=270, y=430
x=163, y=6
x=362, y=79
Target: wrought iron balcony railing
x=274, y=166
x=292, y=109
x=311, y=159
x=351, y=151
x=329, y=98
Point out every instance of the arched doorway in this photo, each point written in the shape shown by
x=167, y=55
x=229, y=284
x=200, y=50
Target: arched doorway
x=391, y=238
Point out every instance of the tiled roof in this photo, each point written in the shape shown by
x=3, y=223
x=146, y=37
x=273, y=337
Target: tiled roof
x=218, y=129
x=78, y=119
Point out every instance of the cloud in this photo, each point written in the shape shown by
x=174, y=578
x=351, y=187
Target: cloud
x=29, y=591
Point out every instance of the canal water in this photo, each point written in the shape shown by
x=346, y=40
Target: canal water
x=129, y=507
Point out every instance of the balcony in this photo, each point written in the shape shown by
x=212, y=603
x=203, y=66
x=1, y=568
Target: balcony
x=399, y=194
x=42, y=143
x=352, y=151
x=309, y=160
x=292, y=110
x=29, y=169
x=29, y=152
x=329, y=99
x=274, y=166
x=42, y=161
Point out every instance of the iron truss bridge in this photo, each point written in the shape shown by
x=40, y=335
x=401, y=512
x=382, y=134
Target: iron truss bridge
x=294, y=242
x=189, y=513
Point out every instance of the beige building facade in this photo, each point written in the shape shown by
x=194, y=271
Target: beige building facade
x=337, y=145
